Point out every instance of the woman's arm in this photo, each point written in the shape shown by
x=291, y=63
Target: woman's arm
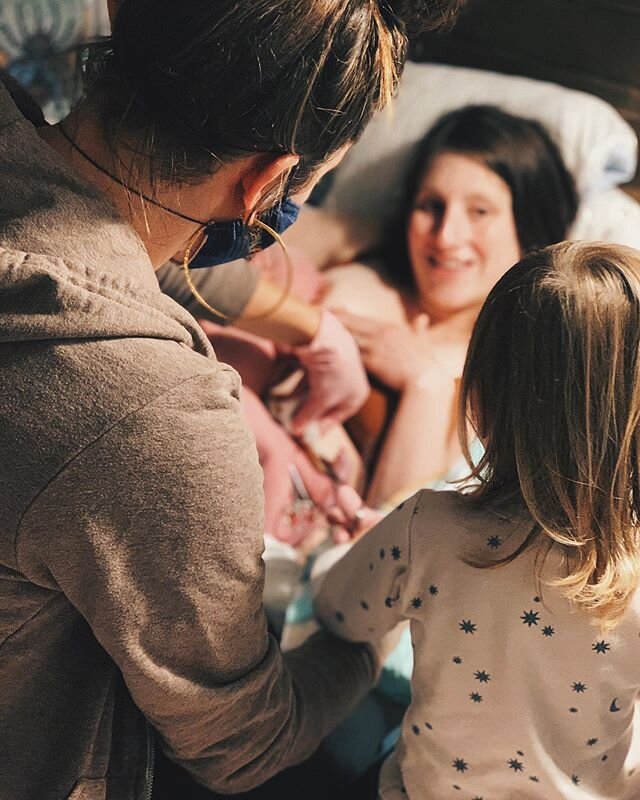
x=293, y=322
x=162, y=558
x=422, y=364
x=421, y=442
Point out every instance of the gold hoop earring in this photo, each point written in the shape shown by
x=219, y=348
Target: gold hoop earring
x=264, y=314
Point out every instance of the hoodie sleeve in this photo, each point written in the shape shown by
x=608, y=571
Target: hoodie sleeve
x=154, y=533
x=227, y=287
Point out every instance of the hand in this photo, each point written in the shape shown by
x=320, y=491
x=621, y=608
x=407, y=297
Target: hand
x=399, y=354
x=335, y=384
x=350, y=518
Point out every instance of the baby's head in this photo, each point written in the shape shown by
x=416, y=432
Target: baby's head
x=552, y=387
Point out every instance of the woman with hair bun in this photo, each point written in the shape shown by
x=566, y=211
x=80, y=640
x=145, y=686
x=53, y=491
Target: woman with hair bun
x=131, y=538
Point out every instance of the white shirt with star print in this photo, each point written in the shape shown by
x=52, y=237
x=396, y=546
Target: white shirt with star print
x=515, y=695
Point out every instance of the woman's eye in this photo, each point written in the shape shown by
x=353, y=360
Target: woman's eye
x=480, y=211
x=430, y=206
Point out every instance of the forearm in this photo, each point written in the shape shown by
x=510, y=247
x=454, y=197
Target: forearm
x=292, y=322
x=418, y=446
x=277, y=716
x=330, y=677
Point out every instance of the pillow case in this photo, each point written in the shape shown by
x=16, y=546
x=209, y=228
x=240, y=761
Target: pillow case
x=611, y=216
x=598, y=146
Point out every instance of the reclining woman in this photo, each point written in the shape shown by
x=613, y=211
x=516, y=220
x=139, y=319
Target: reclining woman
x=485, y=188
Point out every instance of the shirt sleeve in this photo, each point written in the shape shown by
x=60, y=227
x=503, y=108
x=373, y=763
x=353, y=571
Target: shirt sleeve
x=154, y=534
x=361, y=598
x=227, y=288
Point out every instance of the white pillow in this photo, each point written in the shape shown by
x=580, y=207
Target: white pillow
x=598, y=146
x=610, y=216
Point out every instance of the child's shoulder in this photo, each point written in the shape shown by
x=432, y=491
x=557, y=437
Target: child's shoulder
x=454, y=515
x=455, y=507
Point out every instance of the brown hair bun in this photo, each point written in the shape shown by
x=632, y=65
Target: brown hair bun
x=422, y=15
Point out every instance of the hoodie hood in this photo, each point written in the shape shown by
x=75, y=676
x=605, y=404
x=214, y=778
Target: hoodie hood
x=70, y=266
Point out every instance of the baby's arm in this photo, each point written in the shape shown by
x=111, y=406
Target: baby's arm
x=361, y=597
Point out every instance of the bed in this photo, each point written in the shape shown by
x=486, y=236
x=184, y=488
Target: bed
x=591, y=45
x=583, y=64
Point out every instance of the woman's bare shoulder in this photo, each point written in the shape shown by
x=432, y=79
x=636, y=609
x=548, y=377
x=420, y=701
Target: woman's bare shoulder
x=363, y=288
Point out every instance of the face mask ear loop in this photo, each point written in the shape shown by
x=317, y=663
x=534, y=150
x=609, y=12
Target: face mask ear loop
x=263, y=314
x=187, y=275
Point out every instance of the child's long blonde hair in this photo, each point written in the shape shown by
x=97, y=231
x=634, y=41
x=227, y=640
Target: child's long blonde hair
x=552, y=387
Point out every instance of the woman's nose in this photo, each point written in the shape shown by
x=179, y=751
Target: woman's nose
x=453, y=228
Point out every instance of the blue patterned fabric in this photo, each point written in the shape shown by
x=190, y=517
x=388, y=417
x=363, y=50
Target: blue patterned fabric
x=40, y=44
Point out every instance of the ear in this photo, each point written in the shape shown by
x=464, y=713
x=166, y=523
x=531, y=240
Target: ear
x=264, y=171
x=113, y=6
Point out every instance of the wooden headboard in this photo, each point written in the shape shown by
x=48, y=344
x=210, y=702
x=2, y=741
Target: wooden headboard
x=592, y=45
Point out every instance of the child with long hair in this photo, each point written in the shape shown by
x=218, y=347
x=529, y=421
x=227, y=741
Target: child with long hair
x=521, y=592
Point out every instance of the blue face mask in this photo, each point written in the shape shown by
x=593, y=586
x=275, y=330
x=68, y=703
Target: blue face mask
x=228, y=241
x=225, y=241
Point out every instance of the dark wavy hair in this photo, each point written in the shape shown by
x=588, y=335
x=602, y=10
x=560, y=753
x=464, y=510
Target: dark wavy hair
x=518, y=150
x=201, y=82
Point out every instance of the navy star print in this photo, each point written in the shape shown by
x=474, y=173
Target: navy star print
x=601, y=647
x=548, y=630
x=575, y=780
x=482, y=676
x=416, y=602
x=433, y=590
x=591, y=742
x=476, y=697
x=457, y=660
x=530, y=617
x=579, y=687
x=415, y=729
x=467, y=626
x=494, y=542
x=396, y=552
x=515, y=765
x=460, y=765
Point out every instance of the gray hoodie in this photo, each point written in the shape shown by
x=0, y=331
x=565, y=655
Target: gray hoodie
x=131, y=534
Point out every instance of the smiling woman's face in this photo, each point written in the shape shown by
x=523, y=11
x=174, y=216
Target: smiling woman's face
x=461, y=235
